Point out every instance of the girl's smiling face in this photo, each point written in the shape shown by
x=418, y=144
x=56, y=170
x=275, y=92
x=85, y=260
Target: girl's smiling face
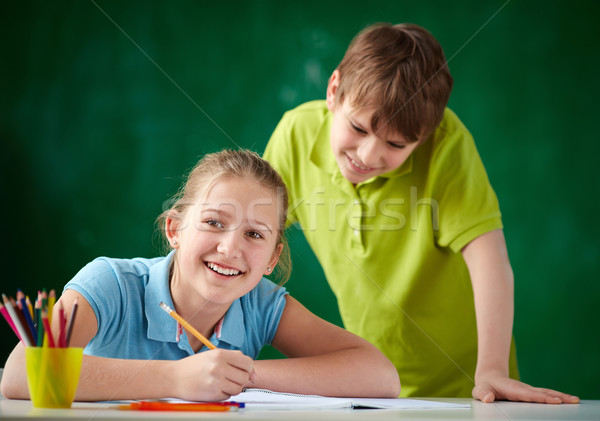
x=227, y=240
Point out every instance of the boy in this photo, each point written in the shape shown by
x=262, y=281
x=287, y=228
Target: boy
x=392, y=196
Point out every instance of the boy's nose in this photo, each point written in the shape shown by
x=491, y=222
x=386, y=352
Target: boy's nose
x=229, y=244
x=368, y=152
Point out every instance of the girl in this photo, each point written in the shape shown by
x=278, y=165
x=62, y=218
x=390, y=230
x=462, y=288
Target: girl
x=225, y=229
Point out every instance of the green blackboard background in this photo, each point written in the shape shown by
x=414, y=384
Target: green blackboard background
x=105, y=104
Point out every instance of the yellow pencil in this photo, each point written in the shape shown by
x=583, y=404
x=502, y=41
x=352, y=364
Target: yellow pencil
x=51, y=302
x=29, y=306
x=188, y=326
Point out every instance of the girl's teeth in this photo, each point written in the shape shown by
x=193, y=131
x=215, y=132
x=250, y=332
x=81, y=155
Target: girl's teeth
x=223, y=271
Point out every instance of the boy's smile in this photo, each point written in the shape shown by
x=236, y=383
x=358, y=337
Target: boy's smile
x=356, y=166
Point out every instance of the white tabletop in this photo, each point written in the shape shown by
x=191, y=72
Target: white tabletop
x=586, y=410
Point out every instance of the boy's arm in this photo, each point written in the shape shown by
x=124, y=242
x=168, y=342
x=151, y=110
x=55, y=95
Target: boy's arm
x=493, y=287
x=324, y=359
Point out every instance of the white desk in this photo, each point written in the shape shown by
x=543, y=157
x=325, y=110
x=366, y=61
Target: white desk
x=587, y=410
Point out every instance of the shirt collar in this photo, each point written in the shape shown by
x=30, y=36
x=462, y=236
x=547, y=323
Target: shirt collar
x=232, y=329
x=321, y=154
x=405, y=168
x=162, y=327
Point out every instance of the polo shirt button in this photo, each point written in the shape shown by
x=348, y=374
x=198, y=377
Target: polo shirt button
x=357, y=202
x=356, y=232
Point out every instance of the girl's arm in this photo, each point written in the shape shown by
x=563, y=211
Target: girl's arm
x=493, y=288
x=324, y=359
x=211, y=375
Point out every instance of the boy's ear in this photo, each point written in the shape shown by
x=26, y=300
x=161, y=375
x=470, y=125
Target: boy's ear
x=172, y=227
x=332, y=85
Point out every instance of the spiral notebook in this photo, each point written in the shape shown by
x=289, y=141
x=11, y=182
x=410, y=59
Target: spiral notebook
x=263, y=399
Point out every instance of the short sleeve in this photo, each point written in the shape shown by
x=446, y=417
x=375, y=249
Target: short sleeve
x=98, y=283
x=278, y=152
x=263, y=308
x=468, y=206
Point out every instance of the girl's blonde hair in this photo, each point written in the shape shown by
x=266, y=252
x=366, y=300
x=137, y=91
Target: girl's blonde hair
x=242, y=164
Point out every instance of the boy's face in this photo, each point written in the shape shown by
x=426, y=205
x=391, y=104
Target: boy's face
x=360, y=153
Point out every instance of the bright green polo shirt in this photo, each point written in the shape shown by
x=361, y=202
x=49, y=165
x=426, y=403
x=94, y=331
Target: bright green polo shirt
x=390, y=247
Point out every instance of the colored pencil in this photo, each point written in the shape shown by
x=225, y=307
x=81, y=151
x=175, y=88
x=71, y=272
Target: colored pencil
x=29, y=306
x=12, y=311
x=47, y=328
x=51, y=302
x=186, y=325
x=44, y=298
x=27, y=315
x=72, y=321
x=8, y=319
x=62, y=343
x=19, y=306
x=21, y=316
x=40, y=325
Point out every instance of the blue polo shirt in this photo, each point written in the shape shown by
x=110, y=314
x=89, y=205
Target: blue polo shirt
x=125, y=296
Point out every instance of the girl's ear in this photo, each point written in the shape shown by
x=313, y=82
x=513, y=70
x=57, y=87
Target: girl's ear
x=332, y=85
x=274, y=259
x=173, y=225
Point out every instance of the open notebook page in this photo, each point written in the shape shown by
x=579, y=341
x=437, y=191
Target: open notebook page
x=266, y=399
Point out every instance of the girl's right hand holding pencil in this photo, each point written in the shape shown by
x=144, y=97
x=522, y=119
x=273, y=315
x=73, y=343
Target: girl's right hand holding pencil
x=213, y=375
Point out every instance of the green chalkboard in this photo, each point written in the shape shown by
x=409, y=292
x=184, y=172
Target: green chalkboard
x=106, y=104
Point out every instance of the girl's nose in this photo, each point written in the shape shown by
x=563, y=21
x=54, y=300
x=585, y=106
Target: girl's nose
x=230, y=244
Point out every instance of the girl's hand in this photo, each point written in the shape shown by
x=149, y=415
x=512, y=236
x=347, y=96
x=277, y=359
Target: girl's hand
x=491, y=387
x=212, y=375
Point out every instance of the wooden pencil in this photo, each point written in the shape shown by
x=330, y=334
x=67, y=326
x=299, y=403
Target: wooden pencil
x=186, y=325
x=40, y=325
x=47, y=328
x=12, y=311
x=72, y=321
x=28, y=320
x=8, y=319
x=62, y=343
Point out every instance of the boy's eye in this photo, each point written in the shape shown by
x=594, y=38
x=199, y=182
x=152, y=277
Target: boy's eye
x=396, y=145
x=214, y=223
x=254, y=234
x=358, y=129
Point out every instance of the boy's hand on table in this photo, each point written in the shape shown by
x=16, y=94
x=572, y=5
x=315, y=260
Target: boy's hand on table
x=491, y=388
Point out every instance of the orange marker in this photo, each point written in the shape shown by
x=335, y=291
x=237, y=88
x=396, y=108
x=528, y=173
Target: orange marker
x=176, y=406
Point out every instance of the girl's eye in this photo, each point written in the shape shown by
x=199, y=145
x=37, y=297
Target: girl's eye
x=214, y=223
x=254, y=234
x=396, y=145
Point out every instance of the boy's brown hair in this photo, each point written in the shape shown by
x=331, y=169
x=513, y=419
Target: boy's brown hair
x=401, y=71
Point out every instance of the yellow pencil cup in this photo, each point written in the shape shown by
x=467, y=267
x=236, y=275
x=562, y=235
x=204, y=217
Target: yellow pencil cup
x=53, y=375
